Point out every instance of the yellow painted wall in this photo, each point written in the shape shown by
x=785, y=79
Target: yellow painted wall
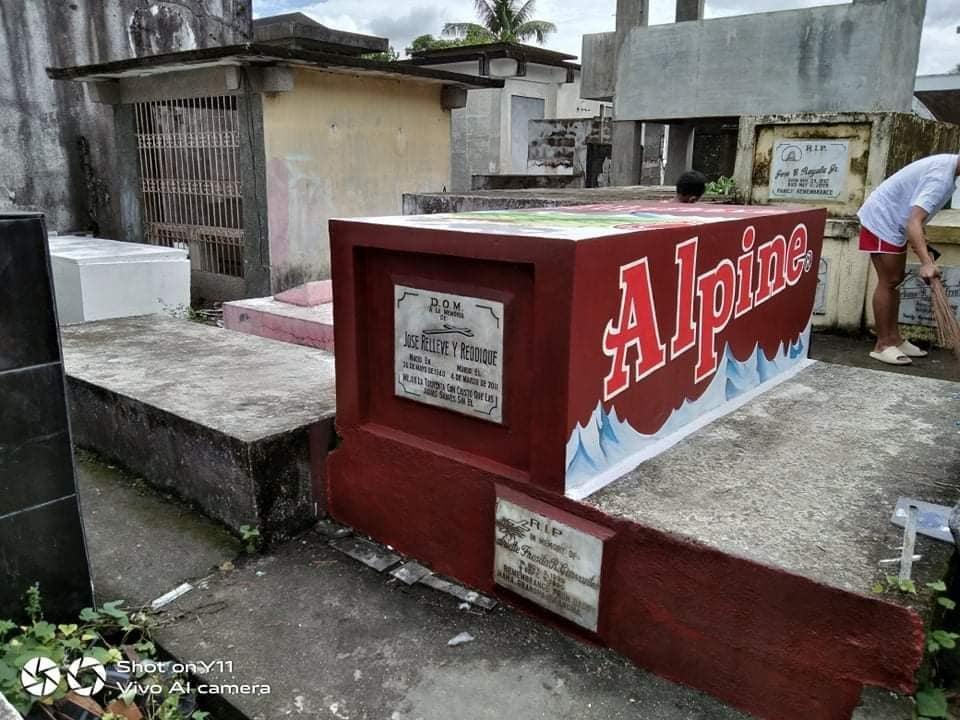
x=341, y=145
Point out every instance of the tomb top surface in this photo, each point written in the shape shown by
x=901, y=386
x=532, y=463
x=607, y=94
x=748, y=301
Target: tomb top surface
x=806, y=476
x=88, y=250
x=582, y=222
x=242, y=385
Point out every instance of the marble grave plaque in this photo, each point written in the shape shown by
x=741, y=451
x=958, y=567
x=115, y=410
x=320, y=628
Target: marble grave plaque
x=809, y=169
x=549, y=562
x=448, y=351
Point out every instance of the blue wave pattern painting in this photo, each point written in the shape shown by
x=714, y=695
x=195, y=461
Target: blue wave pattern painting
x=607, y=441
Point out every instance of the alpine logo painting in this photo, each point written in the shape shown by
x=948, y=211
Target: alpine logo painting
x=692, y=327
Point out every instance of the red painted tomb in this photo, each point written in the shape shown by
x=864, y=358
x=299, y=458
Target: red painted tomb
x=496, y=369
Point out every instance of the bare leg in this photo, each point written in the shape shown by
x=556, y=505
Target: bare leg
x=886, y=298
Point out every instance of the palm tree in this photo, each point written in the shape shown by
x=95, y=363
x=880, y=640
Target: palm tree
x=502, y=21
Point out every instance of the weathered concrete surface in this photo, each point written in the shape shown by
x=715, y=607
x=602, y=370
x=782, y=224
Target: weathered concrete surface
x=322, y=629
x=854, y=350
x=6, y=710
x=142, y=545
x=337, y=639
x=806, y=476
x=269, y=318
x=430, y=203
x=824, y=59
x=303, y=31
x=559, y=146
x=58, y=152
x=528, y=182
x=237, y=424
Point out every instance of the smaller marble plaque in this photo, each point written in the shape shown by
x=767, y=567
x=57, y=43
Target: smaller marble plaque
x=548, y=561
x=916, y=302
x=823, y=277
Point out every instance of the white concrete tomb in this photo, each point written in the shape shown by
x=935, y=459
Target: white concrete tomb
x=97, y=279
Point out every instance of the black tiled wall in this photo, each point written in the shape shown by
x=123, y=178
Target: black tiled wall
x=41, y=535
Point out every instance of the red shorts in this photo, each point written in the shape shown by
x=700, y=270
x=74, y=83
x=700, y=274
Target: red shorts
x=872, y=244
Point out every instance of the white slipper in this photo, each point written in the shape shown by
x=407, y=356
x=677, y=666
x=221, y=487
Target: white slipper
x=911, y=350
x=891, y=356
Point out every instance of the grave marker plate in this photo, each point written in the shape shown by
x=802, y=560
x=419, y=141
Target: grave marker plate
x=823, y=277
x=448, y=351
x=809, y=169
x=916, y=303
x=549, y=561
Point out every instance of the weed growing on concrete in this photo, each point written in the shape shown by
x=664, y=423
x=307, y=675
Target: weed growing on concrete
x=82, y=665
x=723, y=187
x=931, y=698
x=251, y=539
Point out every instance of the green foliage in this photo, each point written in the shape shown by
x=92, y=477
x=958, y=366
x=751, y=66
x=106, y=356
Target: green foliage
x=251, y=538
x=390, y=55
x=724, y=186
x=97, y=633
x=423, y=43
x=931, y=703
x=931, y=700
x=503, y=21
x=32, y=604
x=893, y=583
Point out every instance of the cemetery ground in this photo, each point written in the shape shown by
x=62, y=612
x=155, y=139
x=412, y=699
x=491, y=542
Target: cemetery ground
x=335, y=638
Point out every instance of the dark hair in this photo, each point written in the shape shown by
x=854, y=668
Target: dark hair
x=692, y=183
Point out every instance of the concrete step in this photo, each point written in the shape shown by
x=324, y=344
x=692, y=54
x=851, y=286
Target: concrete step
x=269, y=317
x=236, y=424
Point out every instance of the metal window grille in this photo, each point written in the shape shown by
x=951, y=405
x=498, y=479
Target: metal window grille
x=189, y=152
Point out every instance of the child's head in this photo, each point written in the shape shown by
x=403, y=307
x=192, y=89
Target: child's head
x=691, y=186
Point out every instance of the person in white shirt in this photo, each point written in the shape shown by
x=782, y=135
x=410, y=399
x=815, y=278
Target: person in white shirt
x=891, y=219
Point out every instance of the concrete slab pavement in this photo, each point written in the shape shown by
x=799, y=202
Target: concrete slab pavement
x=143, y=544
x=336, y=639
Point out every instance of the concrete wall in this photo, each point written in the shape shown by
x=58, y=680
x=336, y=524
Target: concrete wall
x=476, y=138
x=482, y=131
x=559, y=147
x=851, y=57
x=56, y=148
x=345, y=146
x=599, y=78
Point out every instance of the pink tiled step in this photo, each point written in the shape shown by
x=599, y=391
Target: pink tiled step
x=294, y=321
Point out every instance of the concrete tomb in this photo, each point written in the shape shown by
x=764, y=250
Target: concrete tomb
x=41, y=534
x=502, y=375
x=98, y=279
x=236, y=424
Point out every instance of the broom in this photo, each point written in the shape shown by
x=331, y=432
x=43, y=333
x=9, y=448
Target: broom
x=948, y=329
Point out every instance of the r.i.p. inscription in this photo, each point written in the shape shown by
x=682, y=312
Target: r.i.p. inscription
x=448, y=351
x=549, y=561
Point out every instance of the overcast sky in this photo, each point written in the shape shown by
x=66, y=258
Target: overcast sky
x=403, y=20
